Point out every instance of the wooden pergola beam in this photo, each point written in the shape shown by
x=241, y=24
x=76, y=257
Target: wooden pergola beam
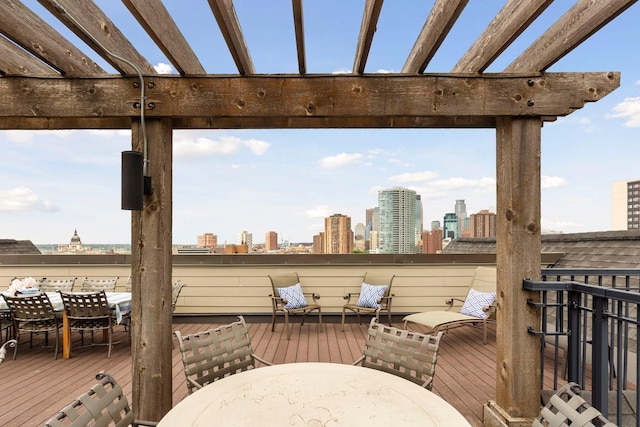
x=368, y=26
x=229, y=25
x=443, y=15
x=303, y=99
x=162, y=29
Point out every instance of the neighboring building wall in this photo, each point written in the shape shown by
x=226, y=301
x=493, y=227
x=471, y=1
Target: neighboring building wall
x=625, y=205
x=245, y=238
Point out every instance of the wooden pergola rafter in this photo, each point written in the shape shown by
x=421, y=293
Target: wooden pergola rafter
x=49, y=83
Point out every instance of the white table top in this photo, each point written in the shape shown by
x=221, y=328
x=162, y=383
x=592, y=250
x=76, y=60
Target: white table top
x=313, y=394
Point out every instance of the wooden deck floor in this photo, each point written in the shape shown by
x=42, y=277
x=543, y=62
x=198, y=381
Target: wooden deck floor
x=34, y=386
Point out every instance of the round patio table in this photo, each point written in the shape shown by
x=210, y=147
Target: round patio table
x=313, y=394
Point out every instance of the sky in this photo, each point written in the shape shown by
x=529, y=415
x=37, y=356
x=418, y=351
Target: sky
x=288, y=181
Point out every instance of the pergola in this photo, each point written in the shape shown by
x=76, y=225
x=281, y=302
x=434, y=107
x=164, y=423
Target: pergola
x=49, y=83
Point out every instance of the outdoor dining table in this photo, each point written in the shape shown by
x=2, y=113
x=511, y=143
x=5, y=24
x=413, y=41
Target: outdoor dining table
x=120, y=302
x=313, y=394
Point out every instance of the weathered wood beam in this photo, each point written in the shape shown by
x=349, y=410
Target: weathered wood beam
x=442, y=17
x=578, y=24
x=367, y=30
x=162, y=29
x=229, y=25
x=16, y=61
x=29, y=31
x=298, y=22
x=151, y=278
x=95, y=28
x=518, y=242
x=507, y=25
x=296, y=97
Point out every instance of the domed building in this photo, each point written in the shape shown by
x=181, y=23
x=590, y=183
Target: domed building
x=75, y=246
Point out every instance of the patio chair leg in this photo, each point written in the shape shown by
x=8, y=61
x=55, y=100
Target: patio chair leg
x=273, y=322
x=320, y=320
x=343, y=310
x=287, y=327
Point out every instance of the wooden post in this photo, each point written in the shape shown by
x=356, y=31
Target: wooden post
x=151, y=279
x=518, y=257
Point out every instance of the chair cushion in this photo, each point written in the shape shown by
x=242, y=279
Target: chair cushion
x=475, y=301
x=370, y=294
x=294, y=297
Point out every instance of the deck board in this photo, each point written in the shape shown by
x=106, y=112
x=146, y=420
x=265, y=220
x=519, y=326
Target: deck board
x=35, y=387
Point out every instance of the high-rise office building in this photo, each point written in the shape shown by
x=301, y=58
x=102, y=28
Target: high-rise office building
x=271, y=241
x=483, y=224
x=625, y=205
x=450, y=226
x=397, y=221
x=359, y=237
x=463, y=218
x=338, y=235
x=419, y=224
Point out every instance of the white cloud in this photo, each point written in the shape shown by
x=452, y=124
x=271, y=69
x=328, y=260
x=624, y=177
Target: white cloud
x=320, y=211
x=628, y=109
x=163, y=68
x=201, y=147
x=340, y=160
x=399, y=162
x=414, y=177
x=552, y=182
x=486, y=183
x=22, y=199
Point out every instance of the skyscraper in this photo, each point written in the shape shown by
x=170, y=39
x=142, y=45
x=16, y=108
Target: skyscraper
x=419, y=224
x=338, y=236
x=625, y=205
x=450, y=226
x=271, y=241
x=397, y=221
x=483, y=224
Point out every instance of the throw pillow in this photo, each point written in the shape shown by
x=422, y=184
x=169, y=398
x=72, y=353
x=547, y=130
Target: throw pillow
x=475, y=301
x=294, y=297
x=370, y=294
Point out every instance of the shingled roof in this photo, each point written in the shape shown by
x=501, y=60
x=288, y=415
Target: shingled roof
x=605, y=249
x=18, y=247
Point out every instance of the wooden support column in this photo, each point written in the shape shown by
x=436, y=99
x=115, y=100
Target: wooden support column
x=518, y=257
x=151, y=278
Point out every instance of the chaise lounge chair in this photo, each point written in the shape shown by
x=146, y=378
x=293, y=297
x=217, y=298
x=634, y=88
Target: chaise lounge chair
x=478, y=308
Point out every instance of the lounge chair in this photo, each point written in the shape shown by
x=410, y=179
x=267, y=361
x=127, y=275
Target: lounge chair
x=478, y=308
x=374, y=297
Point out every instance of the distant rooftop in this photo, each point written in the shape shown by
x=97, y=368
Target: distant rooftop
x=602, y=249
x=10, y=246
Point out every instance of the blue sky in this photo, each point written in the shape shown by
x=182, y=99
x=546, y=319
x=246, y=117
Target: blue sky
x=288, y=181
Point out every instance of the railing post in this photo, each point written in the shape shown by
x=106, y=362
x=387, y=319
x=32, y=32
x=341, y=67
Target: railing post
x=600, y=355
x=573, y=338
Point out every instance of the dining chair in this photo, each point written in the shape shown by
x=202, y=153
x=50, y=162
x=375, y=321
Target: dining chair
x=374, y=297
x=567, y=408
x=214, y=354
x=407, y=354
x=176, y=288
x=103, y=405
x=33, y=314
x=288, y=298
x=94, y=285
x=55, y=285
x=89, y=312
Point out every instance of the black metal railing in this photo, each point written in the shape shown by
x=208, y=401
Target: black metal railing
x=590, y=317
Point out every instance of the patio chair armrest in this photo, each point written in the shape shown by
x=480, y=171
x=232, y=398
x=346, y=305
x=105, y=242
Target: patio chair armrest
x=313, y=295
x=490, y=308
x=194, y=383
x=451, y=301
x=261, y=360
x=351, y=295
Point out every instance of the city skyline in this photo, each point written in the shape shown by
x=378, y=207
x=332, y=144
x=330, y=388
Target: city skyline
x=288, y=181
